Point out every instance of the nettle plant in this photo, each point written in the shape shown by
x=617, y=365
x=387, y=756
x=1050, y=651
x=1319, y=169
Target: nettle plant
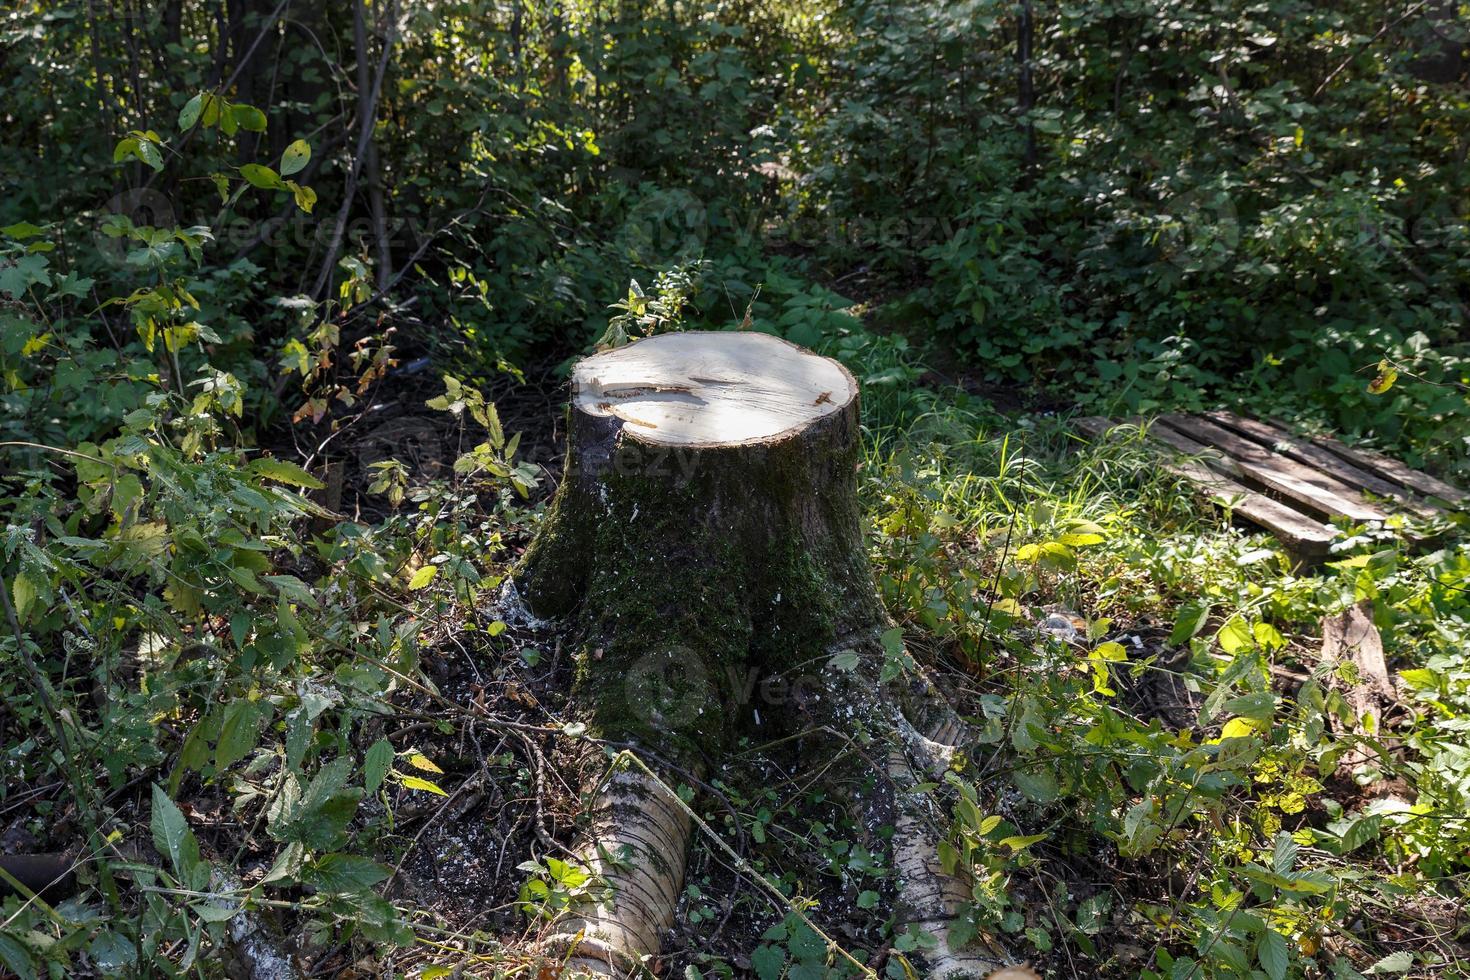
x=1037, y=572
x=176, y=575
x=168, y=625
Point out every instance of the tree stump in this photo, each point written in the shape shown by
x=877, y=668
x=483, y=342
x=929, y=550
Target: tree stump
x=706, y=536
x=706, y=530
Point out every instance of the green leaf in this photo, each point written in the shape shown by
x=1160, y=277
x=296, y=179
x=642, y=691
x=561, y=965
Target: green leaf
x=286, y=865
x=1188, y=622
x=25, y=593
x=1360, y=832
x=375, y=764
x=238, y=733
x=174, y=840
x=1020, y=843
x=1092, y=913
x=1399, y=962
x=147, y=151
x=337, y=873
x=249, y=117
x=1258, y=705
x=113, y=954
x=423, y=576
x=21, y=230
x=295, y=158
x=19, y=274
x=318, y=816
x=221, y=911
x=262, y=176
x=1268, y=637
x=189, y=114
x=1235, y=636
x=1420, y=679
x=224, y=112
x=767, y=962
x=284, y=472
x=293, y=588
x=1283, y=854
x=16, y=958
x=1039, y=786
x=1272, y=952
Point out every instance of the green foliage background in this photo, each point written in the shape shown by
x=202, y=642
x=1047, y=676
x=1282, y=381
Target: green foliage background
x=227, y=224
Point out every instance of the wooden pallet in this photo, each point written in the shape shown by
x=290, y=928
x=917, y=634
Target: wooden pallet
x=1289, y=485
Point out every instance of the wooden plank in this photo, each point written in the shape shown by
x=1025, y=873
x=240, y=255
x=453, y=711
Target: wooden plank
x=1302, y=451
x=1289, y=478
x=1397, y=471
x=1095, y=426
x=1351, y=637
x=1300, y=533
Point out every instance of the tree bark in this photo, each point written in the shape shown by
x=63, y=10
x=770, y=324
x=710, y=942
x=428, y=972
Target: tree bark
x=370, y=167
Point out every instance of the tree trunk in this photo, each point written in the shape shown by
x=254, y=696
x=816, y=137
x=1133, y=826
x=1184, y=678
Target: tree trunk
x=707, y=537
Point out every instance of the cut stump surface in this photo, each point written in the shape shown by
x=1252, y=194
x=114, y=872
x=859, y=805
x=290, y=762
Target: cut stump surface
x=712, y=389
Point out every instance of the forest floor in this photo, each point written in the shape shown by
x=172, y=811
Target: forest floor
x=1170, y=781
x=1073, y=902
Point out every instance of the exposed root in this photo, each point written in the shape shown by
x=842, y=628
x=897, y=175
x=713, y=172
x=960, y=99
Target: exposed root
x=640, y=835
x=929, y=900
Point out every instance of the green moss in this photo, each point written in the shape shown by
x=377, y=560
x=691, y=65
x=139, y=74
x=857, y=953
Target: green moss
x=692, y=580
